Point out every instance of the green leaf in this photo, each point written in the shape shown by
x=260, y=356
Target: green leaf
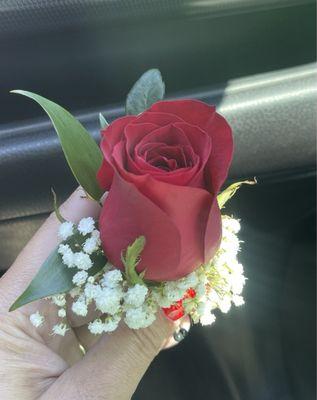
x=53, y=278
x=103, y=121
x=131, y=259
x=56, y=209
x=149, y=89
x=230, y=191
x=81, y=151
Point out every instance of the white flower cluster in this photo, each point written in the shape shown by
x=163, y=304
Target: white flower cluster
x=79, y=259
x=213, y=286
x=114, y=298
x=87, y=242
x=36, y=319
x=221, y=281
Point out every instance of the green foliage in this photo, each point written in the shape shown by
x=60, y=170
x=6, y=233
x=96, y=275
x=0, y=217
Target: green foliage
x=56, y=209
x=53, y=278
x=149, y=89
x=81, y=151
x=230, y=191
x=130, y=260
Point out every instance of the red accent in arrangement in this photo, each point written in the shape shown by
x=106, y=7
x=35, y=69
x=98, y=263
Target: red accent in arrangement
x=176, y=311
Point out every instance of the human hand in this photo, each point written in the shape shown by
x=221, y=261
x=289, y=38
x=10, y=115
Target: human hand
x=37, y=365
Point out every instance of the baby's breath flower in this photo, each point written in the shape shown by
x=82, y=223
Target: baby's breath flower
x=86, y=225
x=236, y=268
x=135, y=295
x=82, y=260
x=216, y=284
x=108, y=300
x=65, y=230
x=61, y=313
x=96, y=327
x=68, y=258
x=225, y=304
x=59, y=300
x=231, y=224
x=200, y=290
x=139, y=317
x=90, y=245
x=92, y=291
x=207, y=319
x=96, y=235
x=173, y=292
x=36, y=319
x=237, y=282
x=80, y=278
x=60, y=329
x=201, y=308
x=237, y=300
x=189, y=281
x=213, y=297
x=112, y=278
x=111, y=323
x=221, y=260
x=63, y=248
x=160, y=299
x=75, y=292
x=79, y=307
x=230, y=244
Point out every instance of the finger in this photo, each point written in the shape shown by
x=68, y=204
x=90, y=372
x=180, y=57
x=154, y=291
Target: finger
x=88, y=340
x=114, y=365
x=14, y=282
x=75, y=320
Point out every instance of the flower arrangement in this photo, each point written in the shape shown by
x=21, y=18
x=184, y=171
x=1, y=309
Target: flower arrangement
x=161, y=241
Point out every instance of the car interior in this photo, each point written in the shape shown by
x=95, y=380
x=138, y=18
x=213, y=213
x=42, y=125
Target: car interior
x=256, y=61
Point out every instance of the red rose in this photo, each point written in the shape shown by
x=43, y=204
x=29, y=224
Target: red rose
x=164, y=169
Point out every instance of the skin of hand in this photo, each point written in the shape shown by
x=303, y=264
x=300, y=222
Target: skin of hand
x=38, y=365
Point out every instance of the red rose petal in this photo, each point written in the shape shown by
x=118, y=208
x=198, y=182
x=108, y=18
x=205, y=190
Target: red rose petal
x=128, y=214
x=176, y=210
x=203, y=115
x=194, y=112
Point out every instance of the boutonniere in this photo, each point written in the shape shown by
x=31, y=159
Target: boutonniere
x=162, y=241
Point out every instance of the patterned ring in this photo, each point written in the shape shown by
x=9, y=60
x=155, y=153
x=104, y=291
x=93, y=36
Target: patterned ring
x=180, y=335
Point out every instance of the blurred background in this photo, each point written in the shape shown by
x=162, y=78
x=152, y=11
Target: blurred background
x=254, y=59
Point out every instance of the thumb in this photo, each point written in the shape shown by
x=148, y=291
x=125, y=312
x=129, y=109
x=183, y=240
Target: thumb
x=114, y=366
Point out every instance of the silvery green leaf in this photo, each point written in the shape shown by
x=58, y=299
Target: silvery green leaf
x=149, y=89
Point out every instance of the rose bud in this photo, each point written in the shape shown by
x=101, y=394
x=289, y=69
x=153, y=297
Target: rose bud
x=163, y=169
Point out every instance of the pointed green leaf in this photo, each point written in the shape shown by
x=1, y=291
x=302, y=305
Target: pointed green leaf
x=53, y=278
x=149, y=89
x=103, y=121
x=131, y=259
x=230, y=191
x=81, y=151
